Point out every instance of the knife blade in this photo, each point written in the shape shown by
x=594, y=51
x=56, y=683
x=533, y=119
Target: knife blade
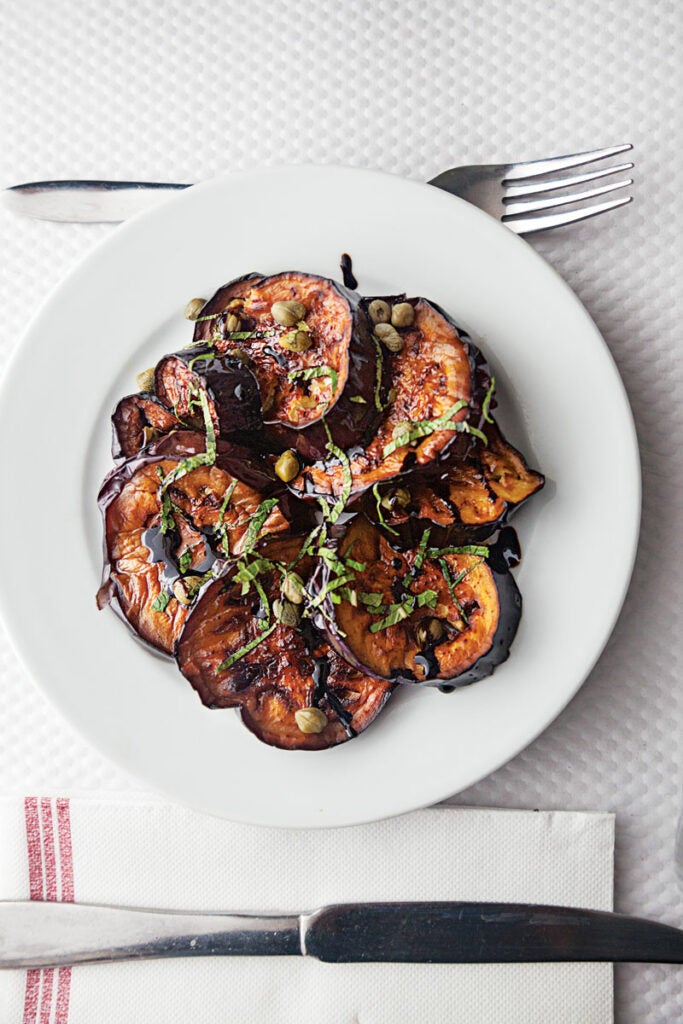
x=34, y=934
x=88, y=202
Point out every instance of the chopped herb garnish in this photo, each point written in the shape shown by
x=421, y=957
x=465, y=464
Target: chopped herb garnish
x=311, y=372
x=422, y=549
x=466, y=549
x=380, y=514
x=487, y=401
x=160, y=603
x=358, y=399
x=205, y=458
x=406, y=433
x=450, y=583
x=229, y=661
x=333, y=514
x=168, y=522
x=475, y=433
x=356, y=566
x=256, y=523
x=244, y=335
x=404, y=609
x=197, y=359
x=209, y=316
x=185, y=561
x=379, y=370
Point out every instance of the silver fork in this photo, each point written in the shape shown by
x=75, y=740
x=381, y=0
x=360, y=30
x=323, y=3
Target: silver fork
x=505, y=190
x=491, y=187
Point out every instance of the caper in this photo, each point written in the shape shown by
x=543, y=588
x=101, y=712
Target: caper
x=286, y=613
x=287, y=466
x=293, y=588
x=295, y=341
x=400, y=496
x=310, y=720
x=389, y=337
x=287, y=313
x=429, y=631
x=193, y=308
x=239, y=353
x=232, y=323
x=145, y=380
x=379, y=311
x=402, y=314
x=180, y=592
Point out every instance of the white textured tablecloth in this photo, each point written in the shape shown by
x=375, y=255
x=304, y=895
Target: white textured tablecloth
x=136, y=852
x=181, y=90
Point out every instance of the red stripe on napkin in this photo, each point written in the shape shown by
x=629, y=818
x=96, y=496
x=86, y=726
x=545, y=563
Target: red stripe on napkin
x=67, y=875
x=50, y=871
x=35, y=888
x=49, y=858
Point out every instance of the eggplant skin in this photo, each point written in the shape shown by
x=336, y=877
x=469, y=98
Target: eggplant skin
x=140, y=562
x=339, y=336
x=139, y=420
x=231, y=388
x=437, y=367
x=462, y=500
x=474, y=633
x=289, y=670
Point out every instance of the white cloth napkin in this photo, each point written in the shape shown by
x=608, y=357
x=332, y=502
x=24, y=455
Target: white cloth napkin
x=142, y=852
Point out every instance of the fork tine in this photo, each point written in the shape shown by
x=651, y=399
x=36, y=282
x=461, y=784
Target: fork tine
x=525, y=225
x=533, y=168
x=548, y=203
x=534, y=188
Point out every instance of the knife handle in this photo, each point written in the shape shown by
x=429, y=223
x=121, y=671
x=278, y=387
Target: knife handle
x=86, y=202
x=479, y=933
x=35, y=934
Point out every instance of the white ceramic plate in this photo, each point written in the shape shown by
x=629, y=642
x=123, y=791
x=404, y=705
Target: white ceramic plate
x=561, y=400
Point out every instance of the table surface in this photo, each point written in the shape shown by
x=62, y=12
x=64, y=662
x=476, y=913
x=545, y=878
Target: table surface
x=184, y=90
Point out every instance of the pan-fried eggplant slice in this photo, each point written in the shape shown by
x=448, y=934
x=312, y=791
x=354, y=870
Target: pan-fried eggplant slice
x=429, y=616
x=139, y=420
x=429, y=387
x=310, y=350
x=293, y=691
x=171, y=516
x=463, y=500
x=232, y=391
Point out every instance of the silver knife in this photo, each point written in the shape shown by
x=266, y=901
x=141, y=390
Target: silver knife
x=34, y=934
x=88, y=202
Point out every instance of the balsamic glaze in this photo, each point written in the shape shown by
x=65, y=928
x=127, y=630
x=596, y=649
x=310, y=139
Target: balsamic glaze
x=346, y=266
x=427, y=660
x=160, y=546
x=508, y=548
x=279, y=357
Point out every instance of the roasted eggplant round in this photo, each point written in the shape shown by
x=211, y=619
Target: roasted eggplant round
x=462, y=500
x=231, y=389
x=243, y=646
x=171, y=517
x=429, y=386
x=442, y=617
x=139, y=420
x=310, y=350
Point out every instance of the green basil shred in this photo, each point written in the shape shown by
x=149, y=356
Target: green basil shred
x=406, y=433
x=487, y=401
